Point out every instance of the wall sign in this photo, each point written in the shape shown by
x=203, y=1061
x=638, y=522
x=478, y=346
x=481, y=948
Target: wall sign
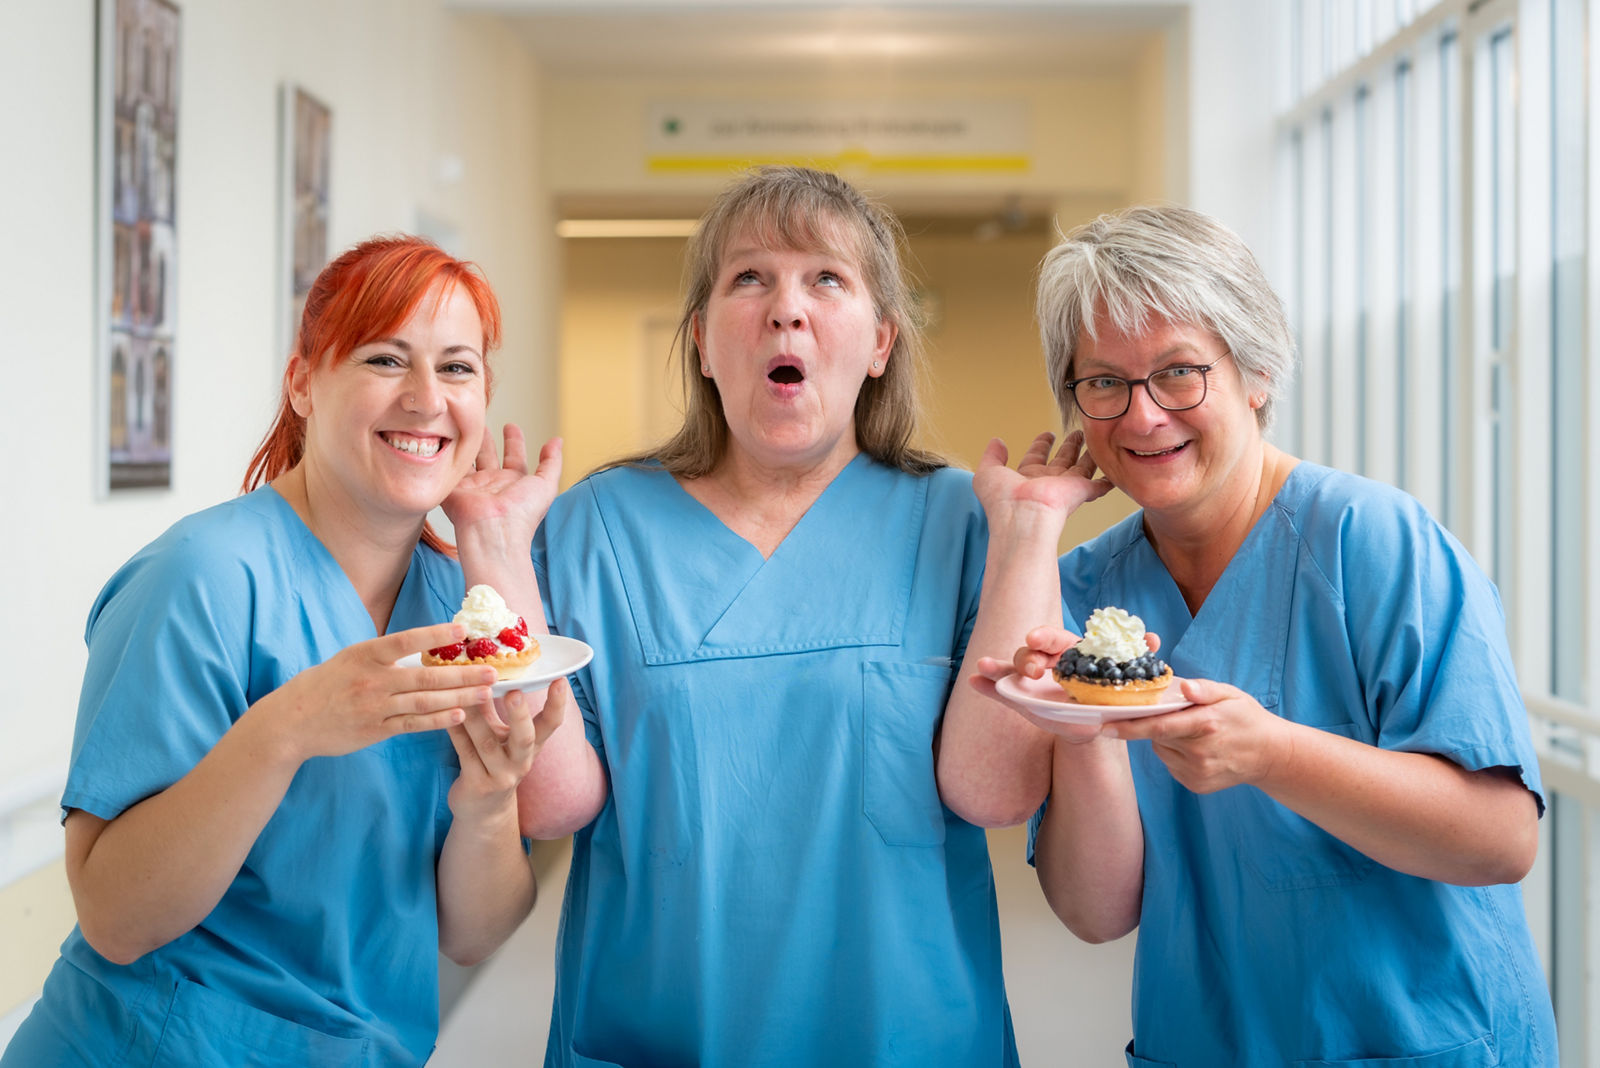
x=961, y=136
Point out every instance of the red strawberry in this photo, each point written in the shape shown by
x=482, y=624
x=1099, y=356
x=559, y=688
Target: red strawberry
x=511, y=639
x=480, y=647
x=448, y=652
x=522, y=627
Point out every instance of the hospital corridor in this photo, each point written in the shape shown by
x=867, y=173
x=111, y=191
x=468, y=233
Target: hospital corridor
x=1307, y=293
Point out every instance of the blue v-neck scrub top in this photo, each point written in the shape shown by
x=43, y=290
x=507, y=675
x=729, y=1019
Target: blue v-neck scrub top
x=773, y=879
x=1264, y=940
x=324, y=950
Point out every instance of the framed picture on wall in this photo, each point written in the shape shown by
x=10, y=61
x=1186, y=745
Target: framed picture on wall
x=306, y=126
x=137, y=127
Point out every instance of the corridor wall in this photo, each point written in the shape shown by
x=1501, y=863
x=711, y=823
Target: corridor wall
x=435, y=123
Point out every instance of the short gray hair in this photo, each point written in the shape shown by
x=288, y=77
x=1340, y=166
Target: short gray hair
x=1168, y=263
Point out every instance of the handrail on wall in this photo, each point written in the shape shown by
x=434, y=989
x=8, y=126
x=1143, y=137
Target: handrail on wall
x=1569, y=770
x=1563, y=713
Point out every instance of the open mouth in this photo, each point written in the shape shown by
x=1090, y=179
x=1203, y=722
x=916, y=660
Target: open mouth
x=1160, y=452
x=786, y=371
x=414, y=445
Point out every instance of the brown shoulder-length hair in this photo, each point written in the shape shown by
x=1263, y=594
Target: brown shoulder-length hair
x=367, y=293
x=805, y=210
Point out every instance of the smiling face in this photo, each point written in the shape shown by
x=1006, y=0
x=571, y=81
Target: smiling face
x=394, y=425
x=788, y=337
x=1172, y=463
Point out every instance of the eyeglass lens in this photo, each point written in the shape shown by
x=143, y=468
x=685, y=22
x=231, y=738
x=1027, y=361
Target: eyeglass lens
x=1174, y=389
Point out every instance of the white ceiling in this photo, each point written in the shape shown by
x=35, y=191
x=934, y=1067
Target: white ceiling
x=894, y=39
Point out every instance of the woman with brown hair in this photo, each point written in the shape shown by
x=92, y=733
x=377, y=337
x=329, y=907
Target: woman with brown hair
x=272, y=827
x=777, y=861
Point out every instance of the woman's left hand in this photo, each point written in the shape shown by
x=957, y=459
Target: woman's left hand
x=1225, y=738
x=503, y=492
x=496, y=745
x=1058, y=483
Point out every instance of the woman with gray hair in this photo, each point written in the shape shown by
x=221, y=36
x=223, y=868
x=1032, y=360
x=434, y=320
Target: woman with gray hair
x=771, y=863
x=1321, y=850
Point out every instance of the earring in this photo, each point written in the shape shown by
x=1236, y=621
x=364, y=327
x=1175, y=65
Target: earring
x=877, y=365
x=705, y=368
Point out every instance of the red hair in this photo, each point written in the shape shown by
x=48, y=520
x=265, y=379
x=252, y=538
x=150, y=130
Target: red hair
x=368, y=293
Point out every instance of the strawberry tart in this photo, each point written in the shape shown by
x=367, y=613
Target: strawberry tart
x=496, y=636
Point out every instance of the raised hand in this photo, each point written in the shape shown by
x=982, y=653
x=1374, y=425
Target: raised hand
x=360, y=696
x=1059, y=482
x=496, y=745
x=501, y=490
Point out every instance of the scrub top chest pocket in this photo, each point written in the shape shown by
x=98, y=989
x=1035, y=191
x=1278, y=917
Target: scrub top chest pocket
x=900, y=709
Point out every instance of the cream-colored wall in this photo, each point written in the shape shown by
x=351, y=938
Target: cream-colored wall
x=1098, y=142
x=985, y=371
x=619, y=306
x=408, y=83
x=1080, y=140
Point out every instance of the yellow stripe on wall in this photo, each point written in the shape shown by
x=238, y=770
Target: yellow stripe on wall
x=839, y=161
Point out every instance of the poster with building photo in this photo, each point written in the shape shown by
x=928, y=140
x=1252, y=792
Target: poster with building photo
x=307, y=126
x=137, y=202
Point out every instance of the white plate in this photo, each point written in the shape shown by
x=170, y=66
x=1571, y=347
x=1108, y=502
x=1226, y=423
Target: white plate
x=558, y=656
x=1045, y=698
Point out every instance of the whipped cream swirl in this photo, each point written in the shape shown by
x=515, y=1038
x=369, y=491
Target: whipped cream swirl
x=1114, y=634
x=484, y=613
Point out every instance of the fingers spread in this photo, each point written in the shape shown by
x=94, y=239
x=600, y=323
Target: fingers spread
x=515, y=457
x=995, y=454
x=550, y=460
x=486, y=460
x=1038, y=449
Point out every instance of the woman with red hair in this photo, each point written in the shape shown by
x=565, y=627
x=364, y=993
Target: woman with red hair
x=272, y=827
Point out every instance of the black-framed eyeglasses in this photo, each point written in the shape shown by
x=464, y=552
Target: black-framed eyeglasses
x=1176, y=388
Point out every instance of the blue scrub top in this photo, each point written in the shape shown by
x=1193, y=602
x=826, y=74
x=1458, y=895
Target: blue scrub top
x=1264, y=940
x=773, y=879
x=324, y=950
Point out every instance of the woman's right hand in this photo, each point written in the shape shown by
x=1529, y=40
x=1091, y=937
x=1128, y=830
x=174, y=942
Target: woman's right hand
x=361, y=696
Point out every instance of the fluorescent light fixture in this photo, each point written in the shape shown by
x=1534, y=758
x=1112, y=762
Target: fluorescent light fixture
x=625, y=227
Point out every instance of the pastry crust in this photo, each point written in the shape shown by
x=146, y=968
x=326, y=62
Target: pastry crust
x=1127, y=692
x=507, y=665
